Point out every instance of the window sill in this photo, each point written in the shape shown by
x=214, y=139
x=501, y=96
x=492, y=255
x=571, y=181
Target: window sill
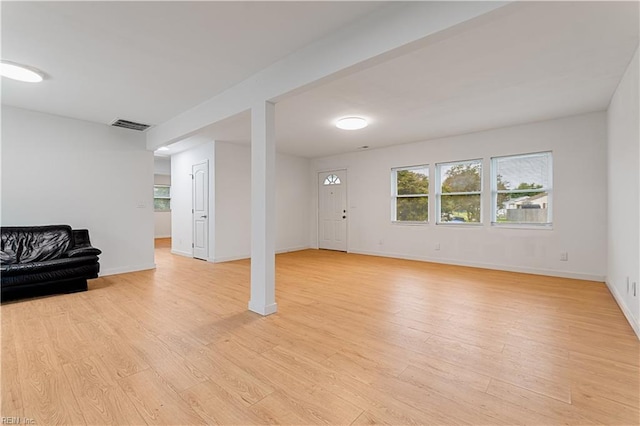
x=542, y=226
x=407, y=223
x=461, y=224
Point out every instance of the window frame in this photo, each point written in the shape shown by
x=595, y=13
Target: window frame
x=395, y=195
x=162, y=198
x=439, y=193
x=495, y=191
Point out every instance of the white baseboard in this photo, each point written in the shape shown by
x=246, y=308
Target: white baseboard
x=263, y=310
x=248, y=256
x=181, y=253
x=188, y=254
x=524, y=270
x=230, y=258
x=625, y=310
x=125, y=269
x=292, y=249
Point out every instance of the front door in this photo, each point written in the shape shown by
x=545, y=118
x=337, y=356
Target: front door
x=200, y=175
x=332, y=210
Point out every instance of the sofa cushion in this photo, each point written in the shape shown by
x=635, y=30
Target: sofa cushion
x=7, y=258
x=34, y=243
x=46, y=266
x=50, y=271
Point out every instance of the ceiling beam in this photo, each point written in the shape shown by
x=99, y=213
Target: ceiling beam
x=390, y=31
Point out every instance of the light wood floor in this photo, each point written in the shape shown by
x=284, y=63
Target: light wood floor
x=357, y=340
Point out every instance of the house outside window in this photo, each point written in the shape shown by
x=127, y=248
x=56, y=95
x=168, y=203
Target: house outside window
x=521, y=189
x=162, y=198
x=459, y=192
x=410, y=194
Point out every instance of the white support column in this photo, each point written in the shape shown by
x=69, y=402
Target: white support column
x=263, y=210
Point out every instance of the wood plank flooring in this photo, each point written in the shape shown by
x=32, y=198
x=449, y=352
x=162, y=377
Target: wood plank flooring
x=357, y=340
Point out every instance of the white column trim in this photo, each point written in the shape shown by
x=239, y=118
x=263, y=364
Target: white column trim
x=263, y=211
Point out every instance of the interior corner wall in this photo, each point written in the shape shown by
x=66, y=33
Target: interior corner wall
x=233, y=202
x=624, y=194
x=162, y=165
x=579, y=211
x=58, y=170
x=162, y=220
x=181, y=198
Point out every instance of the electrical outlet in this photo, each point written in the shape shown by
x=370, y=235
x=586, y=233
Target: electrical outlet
x=436, y=246
x=381, y=242
x=564, y=256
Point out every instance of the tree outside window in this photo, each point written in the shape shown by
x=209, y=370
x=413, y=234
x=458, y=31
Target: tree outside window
x=460, y=192
x=410, y=194
x=161, y=198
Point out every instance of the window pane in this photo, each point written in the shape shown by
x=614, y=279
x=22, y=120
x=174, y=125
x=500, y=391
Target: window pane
x=413, y=209
x=524, y=171
x=459, y=208
x=523, y=208
x=526, y=174
x=161, y=204
x=332, y=180
x=462, y=177
x=162, y=191
x=412, y=182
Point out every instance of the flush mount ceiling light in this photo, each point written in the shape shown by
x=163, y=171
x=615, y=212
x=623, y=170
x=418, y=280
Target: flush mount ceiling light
x=20, y=72
x=351, y=123
x=163, y=148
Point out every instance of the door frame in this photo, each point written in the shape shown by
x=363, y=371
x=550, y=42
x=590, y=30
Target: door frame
x=317, y=209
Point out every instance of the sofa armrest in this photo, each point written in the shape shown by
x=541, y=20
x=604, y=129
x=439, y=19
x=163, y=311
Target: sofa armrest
x=81, y=238
x=82, y=245
x=83, y=251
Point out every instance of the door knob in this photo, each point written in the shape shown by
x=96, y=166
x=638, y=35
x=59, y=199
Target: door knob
x=203, y=217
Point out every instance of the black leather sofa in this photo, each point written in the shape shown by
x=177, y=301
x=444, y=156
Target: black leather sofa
x=40, y=260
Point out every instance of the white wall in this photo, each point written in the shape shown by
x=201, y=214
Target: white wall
x=624, y=193
x=181, y=198
x=162, y=165
x=292, y=203
x=230, y=201
x=579, y=158
x=233, y=202
x=162, y=220
x=59, y=170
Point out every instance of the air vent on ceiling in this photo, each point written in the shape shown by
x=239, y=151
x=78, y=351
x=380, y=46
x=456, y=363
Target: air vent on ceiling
x=130, y=125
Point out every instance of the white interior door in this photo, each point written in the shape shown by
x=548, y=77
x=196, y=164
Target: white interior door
x=332, y=210
x=200, y=176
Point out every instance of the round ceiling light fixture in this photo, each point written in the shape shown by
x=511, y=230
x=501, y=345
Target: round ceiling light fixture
x=163, y=148
x=20, y=72
x=351, y=123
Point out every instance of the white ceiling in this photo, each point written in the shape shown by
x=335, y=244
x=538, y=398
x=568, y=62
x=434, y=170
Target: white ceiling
x=525, y=62
x=150, y=61
x=535, y=61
